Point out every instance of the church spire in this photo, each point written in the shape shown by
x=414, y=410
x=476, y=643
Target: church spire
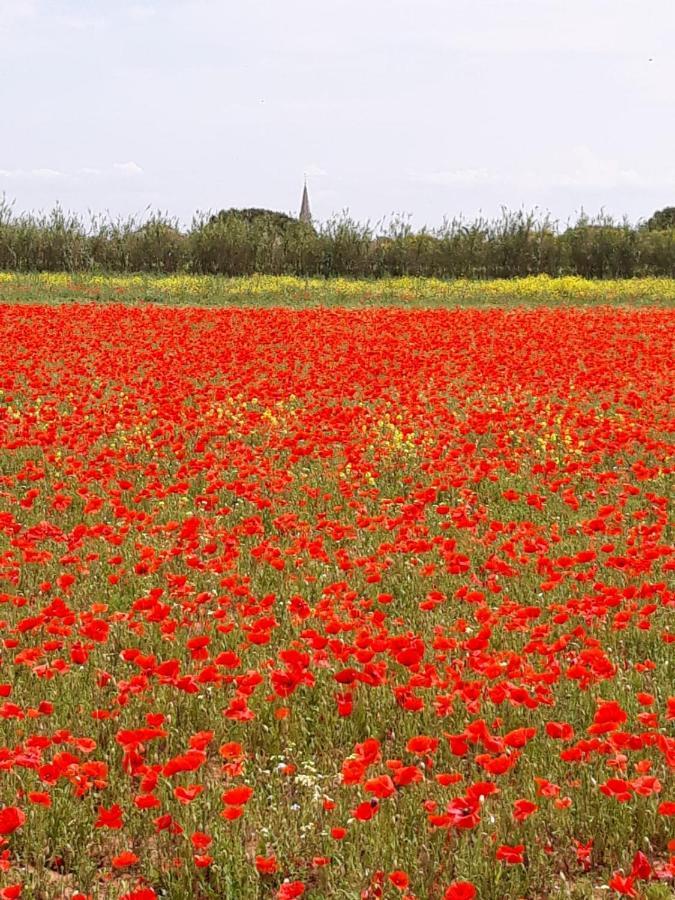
x=305, y=214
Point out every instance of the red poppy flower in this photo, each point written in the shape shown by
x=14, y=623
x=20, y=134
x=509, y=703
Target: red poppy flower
x=200, y=840
x=232, y=813
x=561, y=731
x=512, y=855
x=523, y=809
x=366, y=811
x=266, y=865
x=381, y=787
x=463, y=812
x=399, y=879
x=624, y=885
x=187, y=794
x=290, y=889
x=237, y=796
x=422, y=745
x=641, y=867
x=460, y=890
x=124, y=860
x=11, y=819
x=11, y=891
x=109, y=818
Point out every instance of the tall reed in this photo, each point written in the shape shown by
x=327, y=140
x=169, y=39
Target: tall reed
x=513, y=244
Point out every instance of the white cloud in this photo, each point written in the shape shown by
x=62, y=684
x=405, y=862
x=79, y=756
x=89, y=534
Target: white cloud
x=312, y=170
x=457, y=177
x=47, y=173
x=582, y=168
x=610, y=27
x=588, y=170
x=12, y=11
x=79, y=22
x=128, y=168
x=124, y=170
x=32, y=173
x=141, y=11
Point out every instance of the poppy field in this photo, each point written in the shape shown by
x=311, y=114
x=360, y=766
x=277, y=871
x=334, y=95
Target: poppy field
x=336, y=603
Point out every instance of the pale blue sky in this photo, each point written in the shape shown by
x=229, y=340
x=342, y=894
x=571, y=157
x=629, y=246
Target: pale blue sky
x=426, y=107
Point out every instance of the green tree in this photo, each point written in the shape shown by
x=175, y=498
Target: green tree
x=276, y=220
x=662, y=219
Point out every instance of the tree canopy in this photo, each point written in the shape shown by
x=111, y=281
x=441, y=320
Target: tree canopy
x=662, y=219
x=276, y=219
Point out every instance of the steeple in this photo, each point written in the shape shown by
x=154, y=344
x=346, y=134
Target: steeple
x=305, y=214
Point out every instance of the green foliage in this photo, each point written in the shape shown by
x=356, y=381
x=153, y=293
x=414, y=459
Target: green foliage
x=662, y=219
x=272, y=218
x=247, y=241
x=243, y=242
x=658, y=892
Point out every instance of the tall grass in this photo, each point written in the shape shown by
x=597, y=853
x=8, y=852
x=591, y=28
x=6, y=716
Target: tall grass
x=515, y=244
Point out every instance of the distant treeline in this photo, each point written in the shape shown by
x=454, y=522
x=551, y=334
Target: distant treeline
x=243, y=242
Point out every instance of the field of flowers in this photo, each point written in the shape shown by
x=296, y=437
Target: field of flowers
x=335, y=603
x=290, y=291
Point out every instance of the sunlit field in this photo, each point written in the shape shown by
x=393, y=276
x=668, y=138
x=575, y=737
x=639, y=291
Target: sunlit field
x=334, y=602
x=265, y=290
